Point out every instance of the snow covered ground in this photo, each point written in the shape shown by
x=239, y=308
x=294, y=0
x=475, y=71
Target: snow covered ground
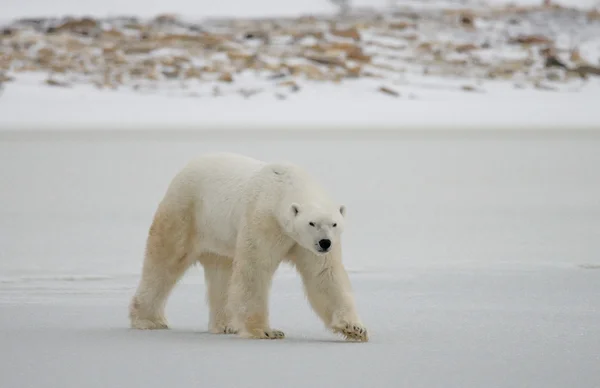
x=473, y=255
x=83, y=108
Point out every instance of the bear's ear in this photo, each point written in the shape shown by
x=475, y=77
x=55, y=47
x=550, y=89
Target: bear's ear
x=343, y=210
x=295, y=209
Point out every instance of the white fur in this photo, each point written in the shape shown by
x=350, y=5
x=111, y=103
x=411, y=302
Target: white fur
x=240, y=218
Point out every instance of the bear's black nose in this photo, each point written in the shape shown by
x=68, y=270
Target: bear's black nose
x=325, y=244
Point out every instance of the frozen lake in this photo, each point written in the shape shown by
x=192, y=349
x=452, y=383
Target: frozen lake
x=475, y=259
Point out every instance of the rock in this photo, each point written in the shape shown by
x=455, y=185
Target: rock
x=464, y=48
x=238, y=56
x=112, y=34
x=401, y=25
x=585, y=70
x=226, y=77
x=553, y=76
x=291, y=84
x=540, y=86
x=139, y=48
x=530, y=40
x=468, y=88
x=593, y=15
x=300, y=35
x=75, y=45
x=388, y=91
x=467, y=19
x=7, y=32
x=351, y=33
x=425, y=46
x=165, y=18
x=310, y=71
x=576, y=58
x=83, y=26
x=53, y=82
x=192, y=72
x=171, y=73
x=45, y=56
x=354, y=72
x=358, y=56
x=553, y=61
x=6, y=78
x=247, y=93
x=326, y=60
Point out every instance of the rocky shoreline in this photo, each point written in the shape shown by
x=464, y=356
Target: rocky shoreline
x=546, y=47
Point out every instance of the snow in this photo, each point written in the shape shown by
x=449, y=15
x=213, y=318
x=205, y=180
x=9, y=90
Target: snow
x=356, y=105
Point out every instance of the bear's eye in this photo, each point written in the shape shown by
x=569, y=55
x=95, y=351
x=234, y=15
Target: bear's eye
x=334, y=225
x=311, y=223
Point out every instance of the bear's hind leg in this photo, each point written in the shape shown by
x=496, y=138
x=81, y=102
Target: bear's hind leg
x=217, y=273
x=167, y=257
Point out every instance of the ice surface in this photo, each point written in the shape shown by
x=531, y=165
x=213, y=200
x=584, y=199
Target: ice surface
x=473, y=257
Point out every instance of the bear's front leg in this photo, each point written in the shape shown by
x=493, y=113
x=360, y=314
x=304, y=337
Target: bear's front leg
x=249, y=294
x=329, y=292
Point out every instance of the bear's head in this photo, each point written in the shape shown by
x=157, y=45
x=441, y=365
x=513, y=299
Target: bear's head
x=316, y=228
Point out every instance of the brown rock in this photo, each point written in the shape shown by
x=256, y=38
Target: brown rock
x=585, y=70
x=467, y=19
x=82, y=26
x=410, y=37
x=6, y=32
x=6, y=78
x=351, y=33
x=593, y=15
x=171, y=73
x=553, y=76
x=530, y=40
x=192, y=72
x=140, y=48
x=165, y=18
x=75, y=45
x=326, y=60
x=291, y=84
x=554, y=61
x=370, y=74
x=401, y=25
x=464, y=48
x=238, y=56
x=387, y=46
x=310, y=71
x=576, y=57
x=388, y=91
x=45, y=56
x=112, y=34
x=59, y=68
x=425, y=46
x=226, y=77
x=358, y=56
x=53, y=82
x=354, y=72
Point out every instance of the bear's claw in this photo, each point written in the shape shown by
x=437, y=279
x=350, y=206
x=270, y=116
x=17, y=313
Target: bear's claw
x=352, y=332
x=223, y=330
x=264, y=334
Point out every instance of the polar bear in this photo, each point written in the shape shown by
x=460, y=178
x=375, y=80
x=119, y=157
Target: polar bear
x=240, y=218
